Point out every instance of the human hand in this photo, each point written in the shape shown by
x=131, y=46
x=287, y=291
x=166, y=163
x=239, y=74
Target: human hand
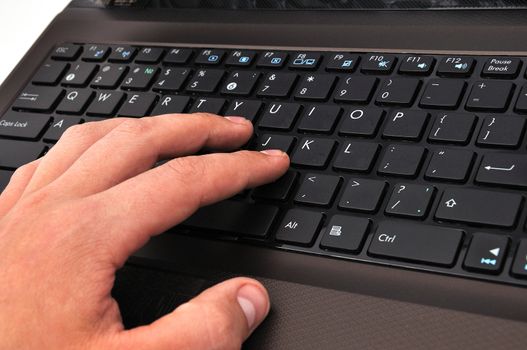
x=69, y=220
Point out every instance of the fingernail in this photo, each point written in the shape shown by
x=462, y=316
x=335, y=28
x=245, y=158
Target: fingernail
x=238, y=120
x=273, y=152
x=254, y=303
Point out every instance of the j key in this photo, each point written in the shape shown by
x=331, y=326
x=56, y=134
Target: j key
x=177, y=56
x=342, y=62
x=171, y=104
x=455, y=66
x=240, y=58
x=416, y=242
x=149, y=55
x=442, y=93
x=315, y=87
x=272, y=59
x=244, y=108
x=210, y=57
x=355, y=89
x=450, y=165
x=501, y=131
x=79, y=74
x=137, y=105
x=410, y=200
x=452, y=128
x=280, y=116
x=397, y=91
x=25, y=152
x=122, y=54
x=521, y=103
x=95, y=53
x=361, y=122
x=171, y=79
x=407, y=125
x=479, y=207
x=38, y=99
x=23, y=125
x=490, y=95
x=345, y=233
x=208, y=105
x=319, y=119
x=299, y=227
x=486, y=253
x=50, y=73
x=139, y=78
x=417, y=65
x=277, y=84
x=305, y=60
x=362, y=195
x=278, y=190
x=519, y=267
x=503, y=169
x=58, y=127
x=378, y=63
x=205, y=80
x=356, y=156
x=401, y=160
x=313, y=152
x=105, y=103
x=317, y=189
x=240, y=83
x=502, y=67
x=75, y=101
x=5, y=177
x=66, y=52
x=109, y=76
x=281, y=142
x=232, y=217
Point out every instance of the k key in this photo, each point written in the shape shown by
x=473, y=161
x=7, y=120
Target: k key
x=313, y=152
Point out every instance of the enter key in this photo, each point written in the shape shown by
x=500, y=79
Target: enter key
x=503, y=169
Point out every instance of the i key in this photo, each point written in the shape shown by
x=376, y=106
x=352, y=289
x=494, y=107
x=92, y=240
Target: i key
x=317, y=189
x=410, y=200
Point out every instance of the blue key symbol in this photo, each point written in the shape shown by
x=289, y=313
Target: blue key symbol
x=276, y=60
x=525, y=267
x=125, y=54
x=213, y=58
x=243, y=59
x=347, y=63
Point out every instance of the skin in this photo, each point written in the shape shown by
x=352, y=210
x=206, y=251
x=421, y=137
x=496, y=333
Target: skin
x=70, y=219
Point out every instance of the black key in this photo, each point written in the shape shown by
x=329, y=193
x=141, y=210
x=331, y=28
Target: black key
x=345, y=233
x=501, y=132
x=240, y=83
x=305, y=60
x=456, y=66
x=208, y=105
x=272, y=59
x=408, y=125
x=342, y=62
x=280, y=116
x=486, y=253
x=66, y=52
x=401, y=160
x=79, y=74
x=521, y=103
x=122, y=54
x=23, y=125
x=355, y=89
x=171, y=104
x=317, y=189
x=236, y=218
x=519, y=266
x=109, y=76
x=453, y=128
x=95, y=53
x=356, y=156
x=442, y=93
x=506, y=169
x=25, y=152
x=361, y=122
x=205, y=80
x=38, y=99
x=149, y=55
x=5, y=177
x=75, y=101
x=278, y=190
x=171, y=79
x=320, y=119
x=139, y=77
x=299, y=227
x=244, y=108
x=450, y=165
x=137, y=105
x=277, y=84
x=502, y=67
x=313, y=152
x=378, y=63
x=177, y=56
x=281, y=142
x=240, y=58
x=417, y=65
x=479, y=207
x=398, y=91
x=410, y=200
x=415, y=242
x=315, y=87
x=58, y=127
x=362, y=195
x=490, y=96
x=105, y=103
x=50, y=73
x=210, y=57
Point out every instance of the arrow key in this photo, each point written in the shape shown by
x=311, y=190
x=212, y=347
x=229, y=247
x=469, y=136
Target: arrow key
x=486, y=252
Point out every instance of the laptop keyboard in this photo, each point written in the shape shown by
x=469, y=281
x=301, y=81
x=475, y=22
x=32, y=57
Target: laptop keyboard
x=406, y=160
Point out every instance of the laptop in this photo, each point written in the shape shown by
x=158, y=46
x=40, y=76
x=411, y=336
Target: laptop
x=401, y=223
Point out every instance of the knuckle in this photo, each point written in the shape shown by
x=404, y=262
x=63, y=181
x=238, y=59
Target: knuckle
x=187, y=169
x=24, y=169
x=134, y=127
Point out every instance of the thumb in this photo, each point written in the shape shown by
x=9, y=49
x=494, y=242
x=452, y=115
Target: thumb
x=221, y=317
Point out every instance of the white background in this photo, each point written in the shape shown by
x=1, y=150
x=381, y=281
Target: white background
x=21, y=23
